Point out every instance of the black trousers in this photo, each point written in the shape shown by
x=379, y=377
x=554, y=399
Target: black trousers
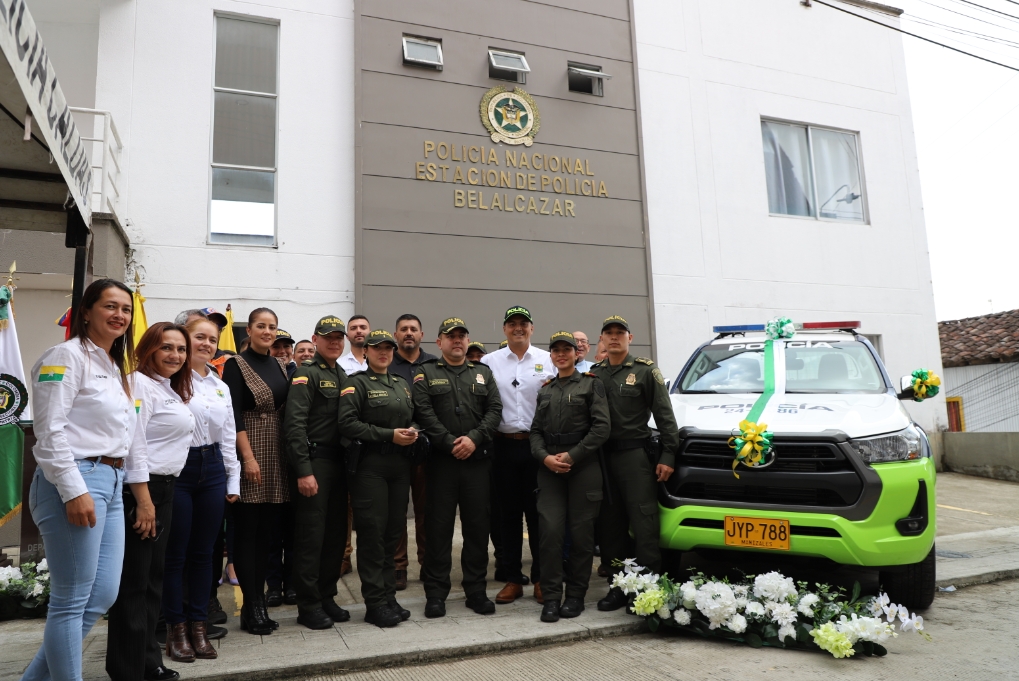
x=516, y=473
x=131, y=648
x=633, y=508
x=281, y=547
x=568, y=505
x=452, y=483
x=319, y=532
x=253, y=526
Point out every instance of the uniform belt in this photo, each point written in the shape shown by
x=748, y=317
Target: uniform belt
x=108, y=460
x=623, y=445
x=513, y=436
x=563, y=438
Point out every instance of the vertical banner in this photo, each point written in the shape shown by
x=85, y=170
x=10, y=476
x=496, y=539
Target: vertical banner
x=13, y=408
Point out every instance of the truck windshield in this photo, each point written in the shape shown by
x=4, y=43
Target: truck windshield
x=811, y=367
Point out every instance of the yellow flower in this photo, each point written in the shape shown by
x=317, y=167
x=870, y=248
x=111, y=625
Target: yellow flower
x=830, y=639
x=648, y=602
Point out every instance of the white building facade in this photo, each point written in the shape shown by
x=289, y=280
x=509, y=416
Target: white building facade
x=778, y=170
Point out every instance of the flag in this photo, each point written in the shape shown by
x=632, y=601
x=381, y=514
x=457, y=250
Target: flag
x=12, y=446
x=10, y=360
x=13, y=407
x=65, y=321
x=138, y=322
x=226, y=336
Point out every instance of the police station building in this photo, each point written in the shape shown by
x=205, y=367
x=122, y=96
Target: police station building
x=682, y=163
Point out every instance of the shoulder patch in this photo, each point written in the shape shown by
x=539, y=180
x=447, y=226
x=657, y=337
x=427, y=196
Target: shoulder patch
x=644, y=360
x=657, y=373
x=591, y=374
x=599, y=388
x=299, y=380
x=419, y=378
x=396, y=376
x=347, y=391
x=547, y=381
x=307, y=363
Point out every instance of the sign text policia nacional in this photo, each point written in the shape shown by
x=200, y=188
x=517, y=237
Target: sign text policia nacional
x=511, y=118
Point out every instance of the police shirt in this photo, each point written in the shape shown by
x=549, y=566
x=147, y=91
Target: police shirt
x=81, y=411
x=163, y=433
x=214, y=423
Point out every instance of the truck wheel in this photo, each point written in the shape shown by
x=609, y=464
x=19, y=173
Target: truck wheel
x=913, y=586
x=671, y=564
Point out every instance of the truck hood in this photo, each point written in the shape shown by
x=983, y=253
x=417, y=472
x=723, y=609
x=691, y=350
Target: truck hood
x=855, y=415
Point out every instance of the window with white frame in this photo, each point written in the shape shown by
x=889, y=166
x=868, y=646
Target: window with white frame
x=243, y=205
x=586, y=78
x=425, y=52
x=506, y=65
x=813, y=172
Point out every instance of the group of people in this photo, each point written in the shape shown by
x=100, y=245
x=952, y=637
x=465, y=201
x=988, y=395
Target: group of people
x=142, y=450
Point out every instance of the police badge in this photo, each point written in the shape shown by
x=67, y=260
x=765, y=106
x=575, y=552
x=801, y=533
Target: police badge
x=510, y=117
x=13, y=399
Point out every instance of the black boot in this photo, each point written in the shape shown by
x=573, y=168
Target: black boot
x=550, y=611
x=382, y=616
x=614, y=600
x=253, y=621
x=572, y=607
x=396, y=607
x=435, y=607
x=335, y=612
x=261, y=606
x=480, y=603
x=274, y=598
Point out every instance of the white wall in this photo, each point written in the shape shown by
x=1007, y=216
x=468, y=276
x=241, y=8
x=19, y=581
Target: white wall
x=155, y=75
x=709, y=71
x=70, y=31
x=990, y=396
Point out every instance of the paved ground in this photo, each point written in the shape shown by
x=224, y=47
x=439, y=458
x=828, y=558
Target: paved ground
x=978, y=540
x=967, y=644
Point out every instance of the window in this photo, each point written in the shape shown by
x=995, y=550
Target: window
x=511, y=66
x=422, y=52
x=586, y=78
x=812, y=172
x=956, y=417
x=243, y=205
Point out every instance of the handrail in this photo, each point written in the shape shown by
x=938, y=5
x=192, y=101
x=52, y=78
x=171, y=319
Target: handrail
x=105, y=194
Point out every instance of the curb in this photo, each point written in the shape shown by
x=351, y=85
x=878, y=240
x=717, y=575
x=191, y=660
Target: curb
x=979, y=578
x=436, y=655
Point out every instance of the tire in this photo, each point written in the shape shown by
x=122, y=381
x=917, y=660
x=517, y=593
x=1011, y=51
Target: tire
x=671, y=560
x=914, y=585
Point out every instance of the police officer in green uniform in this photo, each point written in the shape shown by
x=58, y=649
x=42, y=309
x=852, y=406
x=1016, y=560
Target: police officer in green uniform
x=571, y=422
x=317, y=459
x=376, y=410
x=636, y=389
x=457, y=404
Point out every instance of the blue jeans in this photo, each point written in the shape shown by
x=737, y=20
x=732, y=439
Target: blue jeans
x=85, y=565
x=197, y=519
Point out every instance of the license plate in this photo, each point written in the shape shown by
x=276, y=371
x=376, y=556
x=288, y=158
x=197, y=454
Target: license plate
x=758, y=533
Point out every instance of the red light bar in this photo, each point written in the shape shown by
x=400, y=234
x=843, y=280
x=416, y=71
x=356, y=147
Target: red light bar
x=831, y=325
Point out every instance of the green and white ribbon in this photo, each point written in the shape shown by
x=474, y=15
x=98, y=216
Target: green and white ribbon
x=752, y=440
x=779, y=327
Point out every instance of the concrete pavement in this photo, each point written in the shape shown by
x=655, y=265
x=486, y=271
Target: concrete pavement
x=978, y=541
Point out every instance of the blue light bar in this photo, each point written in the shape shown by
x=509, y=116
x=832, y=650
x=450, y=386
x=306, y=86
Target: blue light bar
x=738, y=328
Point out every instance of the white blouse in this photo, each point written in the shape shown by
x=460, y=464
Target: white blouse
x=164, y=431
x=214, y=423
x=81, y=411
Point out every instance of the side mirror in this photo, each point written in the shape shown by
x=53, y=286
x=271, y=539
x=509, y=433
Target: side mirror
x=668, y=386
x=906, y=387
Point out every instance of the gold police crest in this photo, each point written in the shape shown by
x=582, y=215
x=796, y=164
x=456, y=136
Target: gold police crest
x=510, y=117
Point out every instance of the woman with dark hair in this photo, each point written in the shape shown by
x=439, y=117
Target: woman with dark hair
x=258, y=389
x=162, y=389
x=210, y=475
x=84, y=423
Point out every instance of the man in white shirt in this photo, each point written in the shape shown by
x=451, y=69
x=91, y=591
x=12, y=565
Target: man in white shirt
x=583, y=347
x=520, y=369
x=358, y=328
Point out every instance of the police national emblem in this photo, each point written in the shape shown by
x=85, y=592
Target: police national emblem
x=510, y=117
x=13, y=399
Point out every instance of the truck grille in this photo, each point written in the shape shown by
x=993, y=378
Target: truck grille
x=815, y=474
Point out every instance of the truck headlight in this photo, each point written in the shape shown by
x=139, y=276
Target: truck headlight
x=901, y=446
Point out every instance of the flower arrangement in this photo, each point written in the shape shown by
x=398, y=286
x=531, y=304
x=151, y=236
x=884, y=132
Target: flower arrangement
x=25, y=590
x=768, y=610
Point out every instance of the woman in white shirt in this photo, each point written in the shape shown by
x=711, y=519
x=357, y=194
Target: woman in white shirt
x=211, y=474
x=84, y=422
x=158, y=452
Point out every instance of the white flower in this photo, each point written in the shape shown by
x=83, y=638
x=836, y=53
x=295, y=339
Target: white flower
x=807, y=603
x=914, y=623
x=663, y=612
x=741, y=590
x=773, y=586
x=865, y=629
x=36, y=590
x=630, y=566
x=754, y=608
x=717, y=602
x=8, y=575
x=890, y=611
x=741, y=601
x=689, y=593
x=682, y=616
x=786, y=630
x=783, y=614
x=737, y=624
x=44, y=577
x=43, y=566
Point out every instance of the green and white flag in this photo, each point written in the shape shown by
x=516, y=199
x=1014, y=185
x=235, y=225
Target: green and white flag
x=13, y=408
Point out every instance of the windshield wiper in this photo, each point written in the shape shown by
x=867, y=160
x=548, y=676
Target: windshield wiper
x=699, y=392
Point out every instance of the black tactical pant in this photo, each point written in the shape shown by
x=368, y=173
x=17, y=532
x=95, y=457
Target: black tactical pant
x=320, y=523
x=573, y=498
x=378, y=494
x=516, y=473
x=452, y=483
x=632, y=504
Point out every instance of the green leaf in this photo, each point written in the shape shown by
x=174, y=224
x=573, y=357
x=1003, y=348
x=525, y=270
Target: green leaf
x=754, y=641
x=770, y=631
x=880, y=650
x=856, y=593
x=803, y=632
x=653, y=622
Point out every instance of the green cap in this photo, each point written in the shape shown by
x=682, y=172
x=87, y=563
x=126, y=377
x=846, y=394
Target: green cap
x=284, y=336
x=517, y=310
x=380, y=336
x=448, y=325
x=615, y=319
x=503, y=344
x=330, y=324
x=562, y=337
x=478, y=345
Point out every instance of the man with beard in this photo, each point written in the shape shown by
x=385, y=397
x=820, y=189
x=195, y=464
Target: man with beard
x=408, y=356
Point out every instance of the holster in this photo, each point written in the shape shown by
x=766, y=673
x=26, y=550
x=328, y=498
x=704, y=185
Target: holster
x=353, y=456
x=653, y=449
x=420, y=449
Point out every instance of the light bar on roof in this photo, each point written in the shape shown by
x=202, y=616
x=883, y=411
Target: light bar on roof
x=738, y=328
x=829, y=325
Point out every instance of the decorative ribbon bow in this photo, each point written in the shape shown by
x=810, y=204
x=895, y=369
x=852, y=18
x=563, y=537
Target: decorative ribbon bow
x=925, y=384
x=5, y=308
x=752, y=442
x=779, y=327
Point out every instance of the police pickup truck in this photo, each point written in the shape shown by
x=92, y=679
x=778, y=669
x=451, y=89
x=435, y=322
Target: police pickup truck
x=850, y=477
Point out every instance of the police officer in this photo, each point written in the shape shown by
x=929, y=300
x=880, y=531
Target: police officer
x=570, y=424
x=317, y=459
x=636, y=389
x=376, y=410
x=475, y=351
x=457, y=404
